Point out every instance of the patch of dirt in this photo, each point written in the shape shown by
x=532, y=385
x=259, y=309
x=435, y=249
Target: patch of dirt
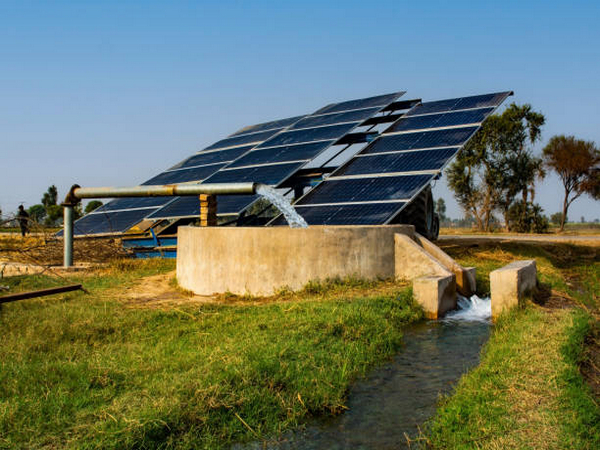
x=590, y=368
x=160, y=291
x=551, y=299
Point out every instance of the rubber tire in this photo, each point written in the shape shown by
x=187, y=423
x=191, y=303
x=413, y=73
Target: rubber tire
x=420, y=213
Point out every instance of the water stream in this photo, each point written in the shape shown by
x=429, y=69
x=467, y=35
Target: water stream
x=294, y=219
x=397, y=398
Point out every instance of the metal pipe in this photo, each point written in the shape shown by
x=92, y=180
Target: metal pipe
x=68, y=235
x=165, y=190
x=40, y=293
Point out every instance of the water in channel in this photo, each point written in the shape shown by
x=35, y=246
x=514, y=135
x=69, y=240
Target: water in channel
x=397, y=398
x=294, y=219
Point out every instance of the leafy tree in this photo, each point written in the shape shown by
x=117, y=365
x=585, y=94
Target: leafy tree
x=53, y=214
x=50, y=197
x=577, y=164
x=556, y=218
x=526, y=217
x=498, y=164
x=94, y=204
x=440, y=208
x=37, y=213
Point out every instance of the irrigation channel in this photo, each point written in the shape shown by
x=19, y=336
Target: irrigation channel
x=397, y=398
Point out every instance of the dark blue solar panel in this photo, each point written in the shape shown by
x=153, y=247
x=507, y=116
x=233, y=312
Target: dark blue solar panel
x=441, y=120
x=272, y=175
x=480, y=101
x=282, y=154
x=379, y=100
x=425, y=139
x=309, y=135
x=365, y=214
x=268, y=125
x=133, y=202
x=399, y=162
x=366, y=189
x=476, y=101
x=190, y=206
x=183, y=175
x=243, y=139
x=115, y=222
x=330, y=119
x=202, y=159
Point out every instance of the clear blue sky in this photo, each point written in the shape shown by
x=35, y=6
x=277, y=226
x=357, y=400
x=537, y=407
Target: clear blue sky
x=111, y=93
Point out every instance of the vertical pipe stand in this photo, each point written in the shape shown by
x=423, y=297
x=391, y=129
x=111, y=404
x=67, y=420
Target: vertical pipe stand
x=68, y=235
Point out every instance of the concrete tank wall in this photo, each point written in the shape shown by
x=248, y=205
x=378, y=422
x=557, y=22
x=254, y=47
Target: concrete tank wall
x=262, y=260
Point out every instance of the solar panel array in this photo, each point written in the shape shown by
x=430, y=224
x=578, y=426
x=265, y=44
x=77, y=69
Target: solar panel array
x=380, y=180
x=371, y=188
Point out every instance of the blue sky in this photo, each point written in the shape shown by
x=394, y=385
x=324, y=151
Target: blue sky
x=110, y=93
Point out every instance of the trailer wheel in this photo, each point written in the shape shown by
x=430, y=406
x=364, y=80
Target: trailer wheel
x=420, y=213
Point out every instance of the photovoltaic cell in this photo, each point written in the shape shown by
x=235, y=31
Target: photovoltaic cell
x=399, y=162
x=115, y=222
x=330, y=119
x=243, y=139
x=222, y=156
x=133, y=202
x=184, y=175
x=441, y=120
x=366, y=189
x=308, y=135
x=476, y=101
x=365, y=214
x=424, y=139
x=268, y=125
x=378, y=100
x=282, y=154
x=272, y=175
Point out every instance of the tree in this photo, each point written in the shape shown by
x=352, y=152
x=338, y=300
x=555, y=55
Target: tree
x=37, y=213
x=50, y=197
x=497, y=165
x=556, y=218
x=577, y=164
x=440, y=208
x=94, y=204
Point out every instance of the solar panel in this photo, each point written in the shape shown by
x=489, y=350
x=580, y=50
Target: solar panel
x=395, y=167
x=371, y=188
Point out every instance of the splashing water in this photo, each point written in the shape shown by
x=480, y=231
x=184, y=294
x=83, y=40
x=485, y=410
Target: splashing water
x=294, y=219
x=472, y=309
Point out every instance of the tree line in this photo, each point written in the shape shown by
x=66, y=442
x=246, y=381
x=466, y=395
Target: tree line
x=496, y=172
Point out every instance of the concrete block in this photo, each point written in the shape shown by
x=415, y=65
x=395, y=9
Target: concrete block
x=510, y=283
x=413, y=261
x=436, y=294
x=262, y=260
x=466, y=283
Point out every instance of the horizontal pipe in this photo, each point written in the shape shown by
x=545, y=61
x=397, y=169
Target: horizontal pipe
x=165, y=190
x=40, y=293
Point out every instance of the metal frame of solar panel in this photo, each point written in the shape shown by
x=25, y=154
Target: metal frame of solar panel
x=119, y=215
x=276, y=159
x=383, y=178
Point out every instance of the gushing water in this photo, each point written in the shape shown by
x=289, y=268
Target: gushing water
x=472, y=309
x=294, y=219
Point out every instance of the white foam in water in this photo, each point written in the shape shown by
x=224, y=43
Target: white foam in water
x=294, y=219
x=472, y=309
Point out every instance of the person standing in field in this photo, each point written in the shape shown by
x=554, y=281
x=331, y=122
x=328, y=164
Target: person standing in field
x=23, y=219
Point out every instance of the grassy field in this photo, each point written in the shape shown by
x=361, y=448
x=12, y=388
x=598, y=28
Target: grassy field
x=91, y=371
x=528, y=391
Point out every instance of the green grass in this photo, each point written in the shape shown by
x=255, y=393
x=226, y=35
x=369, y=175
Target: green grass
x=85, y=371
x=528, y=391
